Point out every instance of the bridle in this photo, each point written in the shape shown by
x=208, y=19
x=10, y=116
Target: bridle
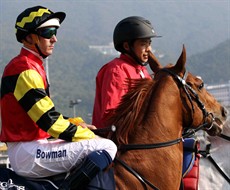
x=192, y=95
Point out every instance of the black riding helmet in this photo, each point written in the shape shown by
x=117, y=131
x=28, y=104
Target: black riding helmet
x=30, y=19
x=130, y=29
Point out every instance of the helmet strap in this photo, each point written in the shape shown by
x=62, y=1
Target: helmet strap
x=36, y=40
x=40, y=52
x=34, y=45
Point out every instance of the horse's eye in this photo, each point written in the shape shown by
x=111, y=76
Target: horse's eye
x=201, y=86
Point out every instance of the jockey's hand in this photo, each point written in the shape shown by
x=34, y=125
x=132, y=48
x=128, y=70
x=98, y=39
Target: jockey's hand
x=79, y=121
x=84, y=125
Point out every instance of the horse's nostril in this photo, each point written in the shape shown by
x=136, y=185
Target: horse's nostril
x=224, y=112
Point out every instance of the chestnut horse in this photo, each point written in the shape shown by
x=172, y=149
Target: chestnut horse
x=150, y=122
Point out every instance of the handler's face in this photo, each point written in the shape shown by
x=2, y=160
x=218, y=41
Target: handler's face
x=141, y=48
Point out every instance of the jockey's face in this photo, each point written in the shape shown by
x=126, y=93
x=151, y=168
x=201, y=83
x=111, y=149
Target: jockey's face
x=46, y=44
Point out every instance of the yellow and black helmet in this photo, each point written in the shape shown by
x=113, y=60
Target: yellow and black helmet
x=32, y=18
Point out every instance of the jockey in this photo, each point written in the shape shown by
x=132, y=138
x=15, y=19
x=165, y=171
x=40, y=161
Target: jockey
x=132, y=38
x=29, y=117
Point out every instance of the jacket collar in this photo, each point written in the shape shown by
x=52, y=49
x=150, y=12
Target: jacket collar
x=32, y=54
x=130, y=61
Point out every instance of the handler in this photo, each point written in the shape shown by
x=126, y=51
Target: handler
x=28, y=114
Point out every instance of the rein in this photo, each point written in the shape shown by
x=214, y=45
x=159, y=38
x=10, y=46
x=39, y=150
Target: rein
x=206, y=154
x=225, y=137
x=132, y=171
x=126, y=147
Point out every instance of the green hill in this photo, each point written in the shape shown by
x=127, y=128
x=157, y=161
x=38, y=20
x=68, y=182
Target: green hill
x=212, y=65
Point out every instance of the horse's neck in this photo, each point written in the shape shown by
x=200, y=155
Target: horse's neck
x=166, y=116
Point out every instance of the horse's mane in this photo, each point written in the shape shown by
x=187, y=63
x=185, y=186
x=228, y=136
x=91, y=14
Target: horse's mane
x=131, y=109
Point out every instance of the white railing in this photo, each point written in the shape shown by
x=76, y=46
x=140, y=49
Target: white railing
x=221, y=92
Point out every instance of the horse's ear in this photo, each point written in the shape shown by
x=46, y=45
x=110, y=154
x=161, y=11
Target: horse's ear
x=154, y=64
x=180, y=65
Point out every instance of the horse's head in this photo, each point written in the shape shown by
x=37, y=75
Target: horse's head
x=203, y=107
x=215, y=113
